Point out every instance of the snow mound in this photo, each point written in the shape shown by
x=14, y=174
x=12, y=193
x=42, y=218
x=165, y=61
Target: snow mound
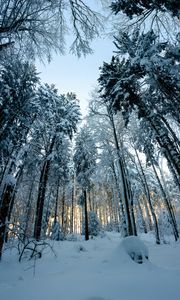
x=130, y=252
x=135, y=248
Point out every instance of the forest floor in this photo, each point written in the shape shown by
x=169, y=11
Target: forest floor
x=93, y=270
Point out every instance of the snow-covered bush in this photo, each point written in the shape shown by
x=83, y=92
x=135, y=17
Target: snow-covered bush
x=135, y=248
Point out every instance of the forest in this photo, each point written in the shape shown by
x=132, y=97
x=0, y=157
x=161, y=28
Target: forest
x=114, y=171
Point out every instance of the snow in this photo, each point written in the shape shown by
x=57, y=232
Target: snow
x=98, y=269
x=135, y=248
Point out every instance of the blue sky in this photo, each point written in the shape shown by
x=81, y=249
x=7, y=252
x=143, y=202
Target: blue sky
x=78, y=75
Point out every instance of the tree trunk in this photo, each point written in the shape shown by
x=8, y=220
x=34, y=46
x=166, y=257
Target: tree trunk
x=4, y=210
x=18, y=178
x=130, y=197
x=142, y=217
x=172, y=133
x=164, y=141
x=145, y=188
x=149, y=201
x=72, y=205
x=176, y=177
x=56, y=203
x=28, y=211
x=120, y=201
x=90, y=204
x=123, y=180
x=86, y=216
x=167, y=204
x=145, y=199
x=40, y=200
x=169, y=201
x=41, y=193
x=63, y=209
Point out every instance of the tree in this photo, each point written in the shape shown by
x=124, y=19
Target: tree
x=59, y=176
x=94, y=226
x=85, y=162
x=148, y=80
x=62, y=114
x=37, y=27
x=17, y=94
x=122, y=172
x=157, y=86
x=131, y=8
x=18, y=83
x=106, y=180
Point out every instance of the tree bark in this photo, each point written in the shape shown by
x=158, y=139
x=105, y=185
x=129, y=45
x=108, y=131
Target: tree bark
x=86, y=216
x=13, y=196
x=63, y=209
x=4, y=210
x=149, y=201
x=56, y=203
x=120, y=201
x=164, y=141
x=28, y=211
x=167, y=204
x=142, y=217
x=123, y=179
x=41, y=193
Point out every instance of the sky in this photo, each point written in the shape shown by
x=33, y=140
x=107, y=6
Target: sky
x=79, y=75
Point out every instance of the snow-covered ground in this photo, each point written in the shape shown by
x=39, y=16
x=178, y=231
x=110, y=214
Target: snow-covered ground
x=93, y=270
